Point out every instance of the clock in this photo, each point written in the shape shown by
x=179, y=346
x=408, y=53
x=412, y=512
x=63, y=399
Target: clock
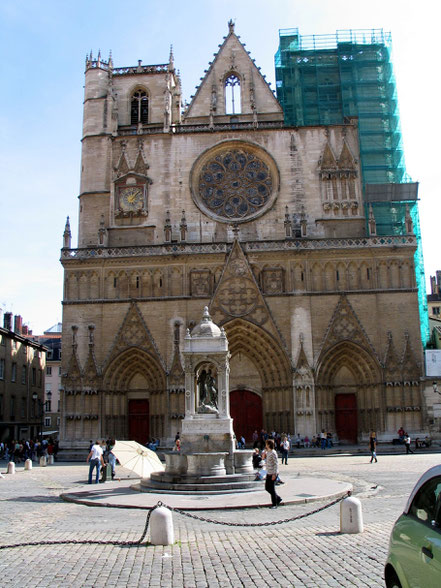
x=131, y=199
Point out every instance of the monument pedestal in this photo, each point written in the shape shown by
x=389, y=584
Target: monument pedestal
x=208, y=461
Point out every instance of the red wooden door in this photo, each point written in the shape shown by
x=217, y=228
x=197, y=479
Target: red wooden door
x=139, y=420
x=246, y=412
x=346, y=417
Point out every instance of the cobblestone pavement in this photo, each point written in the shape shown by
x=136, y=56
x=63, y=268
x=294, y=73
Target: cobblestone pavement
x=310, y=552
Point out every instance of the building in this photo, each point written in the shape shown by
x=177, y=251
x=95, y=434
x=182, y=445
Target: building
x=327, y=79
x=22, y=366
x=51, y=339
x=434, y=298
x=225, y=206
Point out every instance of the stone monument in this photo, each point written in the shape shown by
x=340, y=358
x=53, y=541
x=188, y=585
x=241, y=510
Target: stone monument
x=208, y=460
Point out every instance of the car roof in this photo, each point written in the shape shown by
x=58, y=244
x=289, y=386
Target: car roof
x=431, y=473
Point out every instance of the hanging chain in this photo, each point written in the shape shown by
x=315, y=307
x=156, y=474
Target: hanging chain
x=268, y=524
x=181, y=512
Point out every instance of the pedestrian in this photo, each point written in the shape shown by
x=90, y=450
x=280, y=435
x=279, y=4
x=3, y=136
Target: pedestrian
x=110, y=456
x=323, y=439
x=95, y=460
x=373, y=446
x=272, y=470
x=407, y=443
x=284, y=449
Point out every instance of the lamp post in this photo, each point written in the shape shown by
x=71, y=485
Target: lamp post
x=42, y=408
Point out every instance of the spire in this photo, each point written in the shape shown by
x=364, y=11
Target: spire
x=230, y=26
x=408, y=221
x=371, y=222
x=171, y=60
x=67, y=235
x=110, y=60
x=183, y=227
x=102, y=232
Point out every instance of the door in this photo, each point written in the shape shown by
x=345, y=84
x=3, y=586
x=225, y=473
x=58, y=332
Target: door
x=246, y=412
x=139, y=421
x=346, y=417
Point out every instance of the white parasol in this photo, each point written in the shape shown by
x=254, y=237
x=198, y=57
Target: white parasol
x=137, y=458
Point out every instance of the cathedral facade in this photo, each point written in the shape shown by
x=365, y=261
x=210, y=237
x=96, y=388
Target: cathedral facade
x=221, y=205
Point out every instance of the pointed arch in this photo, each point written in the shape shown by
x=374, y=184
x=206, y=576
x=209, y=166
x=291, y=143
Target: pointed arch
x=270, y=359
x=232, y=92
x=139, y=106
x=361, y=364
x=129, y=364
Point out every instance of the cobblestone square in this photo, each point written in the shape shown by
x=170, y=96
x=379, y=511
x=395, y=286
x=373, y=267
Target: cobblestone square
x=309, y=552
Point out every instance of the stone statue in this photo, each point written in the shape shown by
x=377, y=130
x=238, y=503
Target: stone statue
x=207, y=392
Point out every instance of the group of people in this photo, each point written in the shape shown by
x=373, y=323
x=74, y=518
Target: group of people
x=100, y=454
x=20, y=450
x=322, y=440
x=404, y=438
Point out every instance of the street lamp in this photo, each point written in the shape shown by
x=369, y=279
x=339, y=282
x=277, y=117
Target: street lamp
x=42, y=407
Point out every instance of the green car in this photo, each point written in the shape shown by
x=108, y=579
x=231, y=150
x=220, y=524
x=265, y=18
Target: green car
x=414, y=559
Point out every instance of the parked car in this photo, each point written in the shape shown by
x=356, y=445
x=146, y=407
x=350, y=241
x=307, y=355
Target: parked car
x=414, y=558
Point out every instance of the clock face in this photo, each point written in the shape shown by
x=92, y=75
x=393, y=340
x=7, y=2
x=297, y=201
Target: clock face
x=131, y=199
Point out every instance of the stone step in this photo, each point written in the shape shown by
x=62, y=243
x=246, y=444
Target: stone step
x=164, y=477
x=180, y=488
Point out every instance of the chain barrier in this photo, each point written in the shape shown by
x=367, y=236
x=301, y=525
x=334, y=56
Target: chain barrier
x=181, y=512
x=269, y=524
x=88, y=541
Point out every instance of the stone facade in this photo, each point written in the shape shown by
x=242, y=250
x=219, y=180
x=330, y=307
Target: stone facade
x=22, y=381
x=224, y=206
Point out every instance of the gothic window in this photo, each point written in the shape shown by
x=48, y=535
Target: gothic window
x=139, y=108
x=232, y=95
x=234, y=181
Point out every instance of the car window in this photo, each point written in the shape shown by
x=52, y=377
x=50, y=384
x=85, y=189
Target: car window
x=424, y=504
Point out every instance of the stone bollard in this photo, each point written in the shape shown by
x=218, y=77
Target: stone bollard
x=351, y=516
x=11, y=468
x=50, y=460
x=28, y=464
x=43, y=461
x=161, y=527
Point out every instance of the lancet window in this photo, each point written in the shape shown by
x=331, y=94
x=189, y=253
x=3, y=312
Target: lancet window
x=139, y=108
x=232, y=95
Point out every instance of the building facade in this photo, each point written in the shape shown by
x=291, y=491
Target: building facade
x=227, y=207
x=51, y=339
x=22, y=367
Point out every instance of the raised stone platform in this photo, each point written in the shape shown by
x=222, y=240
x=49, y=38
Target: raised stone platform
x=124, y=495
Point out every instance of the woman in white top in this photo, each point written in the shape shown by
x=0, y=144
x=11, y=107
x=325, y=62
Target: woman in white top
x=272, y=469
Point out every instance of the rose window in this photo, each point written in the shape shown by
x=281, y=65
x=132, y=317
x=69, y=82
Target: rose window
x=234, y=184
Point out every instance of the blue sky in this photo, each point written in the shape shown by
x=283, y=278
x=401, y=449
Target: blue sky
x=43, y=45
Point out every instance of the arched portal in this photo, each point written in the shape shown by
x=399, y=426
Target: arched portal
x=260, y=365
x=348, y=392
x=134, y=396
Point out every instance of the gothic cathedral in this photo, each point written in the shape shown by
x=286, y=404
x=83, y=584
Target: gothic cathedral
x=221, y=205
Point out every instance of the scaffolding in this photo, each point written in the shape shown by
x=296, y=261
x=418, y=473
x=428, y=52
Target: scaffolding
x=330, y=79
x=326, y=79
x=391, y=203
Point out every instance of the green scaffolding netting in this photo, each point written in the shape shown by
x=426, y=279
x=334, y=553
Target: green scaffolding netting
x=390, y=220
x=328, y=79
x=325, y=79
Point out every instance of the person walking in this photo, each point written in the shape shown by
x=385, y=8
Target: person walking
x=272, y=470
x=407, y=443
x=95, y=460
x=373, y=446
